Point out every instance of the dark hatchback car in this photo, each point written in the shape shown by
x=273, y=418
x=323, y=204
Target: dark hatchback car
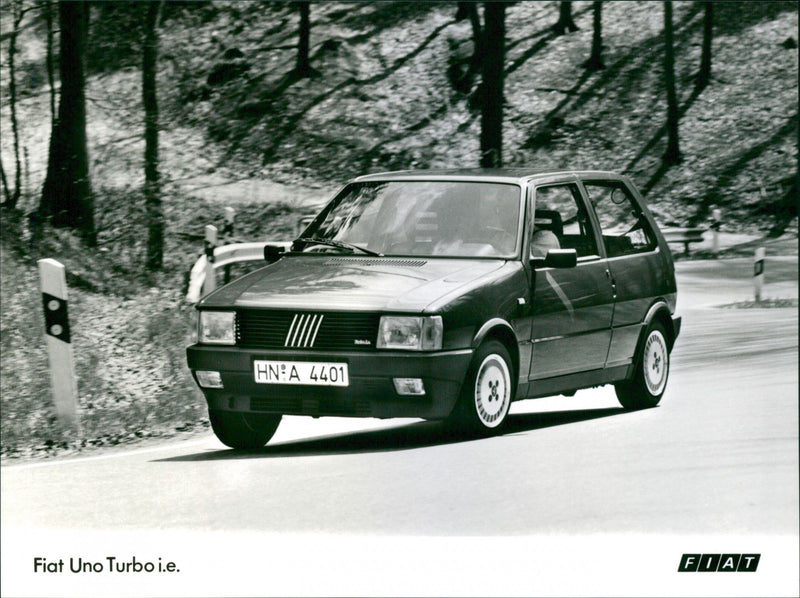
x=444, y=295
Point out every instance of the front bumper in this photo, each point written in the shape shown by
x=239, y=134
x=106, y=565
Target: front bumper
x=371, y=392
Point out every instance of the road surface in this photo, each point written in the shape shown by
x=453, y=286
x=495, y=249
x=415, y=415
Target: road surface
x=575, y=480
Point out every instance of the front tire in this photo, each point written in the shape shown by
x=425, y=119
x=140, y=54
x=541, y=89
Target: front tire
x=487, y=392
x=649, y=382
x=244, y=431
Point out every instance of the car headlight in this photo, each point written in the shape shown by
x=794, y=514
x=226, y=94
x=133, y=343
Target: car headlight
x=216, y=327
x=412, y=333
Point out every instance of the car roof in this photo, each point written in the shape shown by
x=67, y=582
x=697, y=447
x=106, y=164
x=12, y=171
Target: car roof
x=496, y=175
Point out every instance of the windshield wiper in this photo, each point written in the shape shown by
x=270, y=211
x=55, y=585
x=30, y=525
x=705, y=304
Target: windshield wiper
x=339, y=244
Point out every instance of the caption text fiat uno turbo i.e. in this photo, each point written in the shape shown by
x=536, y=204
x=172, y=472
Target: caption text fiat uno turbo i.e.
x=444, y=295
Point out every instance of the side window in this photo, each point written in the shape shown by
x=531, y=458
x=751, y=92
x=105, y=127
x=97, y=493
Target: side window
x=560, y=222
x=625, y=230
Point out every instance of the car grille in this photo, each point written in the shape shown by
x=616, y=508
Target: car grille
x=327, y=331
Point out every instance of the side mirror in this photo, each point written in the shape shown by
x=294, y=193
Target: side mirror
x=557, y=258
x=272, y=253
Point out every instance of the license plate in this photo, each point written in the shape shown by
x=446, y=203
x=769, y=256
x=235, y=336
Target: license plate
x=310, y=373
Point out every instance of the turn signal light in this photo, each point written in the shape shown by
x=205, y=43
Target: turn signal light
x=209, y=379
x=409, y=386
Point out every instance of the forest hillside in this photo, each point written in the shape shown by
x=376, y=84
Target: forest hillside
x=389, y=88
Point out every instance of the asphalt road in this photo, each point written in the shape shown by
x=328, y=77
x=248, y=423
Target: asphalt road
x=717, y=458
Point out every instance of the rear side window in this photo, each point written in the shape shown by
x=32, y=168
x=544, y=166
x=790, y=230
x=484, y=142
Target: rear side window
x=625, y=229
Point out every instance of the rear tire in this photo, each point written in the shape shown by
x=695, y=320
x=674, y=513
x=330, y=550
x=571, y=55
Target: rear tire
x=649, y=381
x=487, y=392
x=244, y=431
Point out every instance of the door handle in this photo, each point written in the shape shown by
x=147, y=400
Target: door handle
x=613, y=282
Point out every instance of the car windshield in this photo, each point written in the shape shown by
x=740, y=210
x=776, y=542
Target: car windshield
x=421, y=218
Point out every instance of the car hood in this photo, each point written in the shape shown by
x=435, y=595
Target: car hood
x=350, y=283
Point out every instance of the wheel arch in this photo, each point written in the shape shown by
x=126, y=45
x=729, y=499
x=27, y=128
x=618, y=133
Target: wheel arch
x=500, y=330
x=659, y=312
x=630, y=391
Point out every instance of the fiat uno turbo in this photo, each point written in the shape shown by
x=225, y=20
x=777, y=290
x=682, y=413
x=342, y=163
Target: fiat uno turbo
x=444, y=295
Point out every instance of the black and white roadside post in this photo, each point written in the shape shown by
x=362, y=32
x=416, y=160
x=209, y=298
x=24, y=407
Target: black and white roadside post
x=716, y=223
x=758, y=272
x=210, y=282
x=58, y=339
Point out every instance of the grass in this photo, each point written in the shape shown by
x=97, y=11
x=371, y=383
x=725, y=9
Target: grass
x=128, y=343
x=129, y=328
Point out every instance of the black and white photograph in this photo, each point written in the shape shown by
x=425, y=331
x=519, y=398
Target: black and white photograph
x=399, y=298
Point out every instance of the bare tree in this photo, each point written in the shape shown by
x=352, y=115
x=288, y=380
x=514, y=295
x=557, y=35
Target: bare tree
x=595, y=62
x=470, y=10
x=12, y=195
x=303, y=66
x=4, y=182
x=48, y=15
x=152, y=190
x=67, y=193
x=465, y=58
x=493, y=65
x=704, y=76
x=672, y=155
x=565, y=22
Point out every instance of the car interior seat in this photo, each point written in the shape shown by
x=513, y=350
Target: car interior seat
x=547, y=231
x=548, y=220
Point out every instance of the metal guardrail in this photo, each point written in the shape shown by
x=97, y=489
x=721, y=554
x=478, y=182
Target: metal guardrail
x=684, y=236
x=202, y=277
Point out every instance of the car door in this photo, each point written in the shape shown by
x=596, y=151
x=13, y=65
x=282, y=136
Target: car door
x=571, y=307
x=638, y=271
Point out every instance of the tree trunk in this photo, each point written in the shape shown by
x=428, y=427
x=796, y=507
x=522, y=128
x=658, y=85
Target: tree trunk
x=152, y=191
x=565, y=22
x=493, y=63
x=672, y=156
x=12, y=195
x=303, y=67
x=595, y=62
x=704, y=76
x=477, y=36
x=48, y=12
x=461, y=68
x=4, y=182
x=67, y=194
